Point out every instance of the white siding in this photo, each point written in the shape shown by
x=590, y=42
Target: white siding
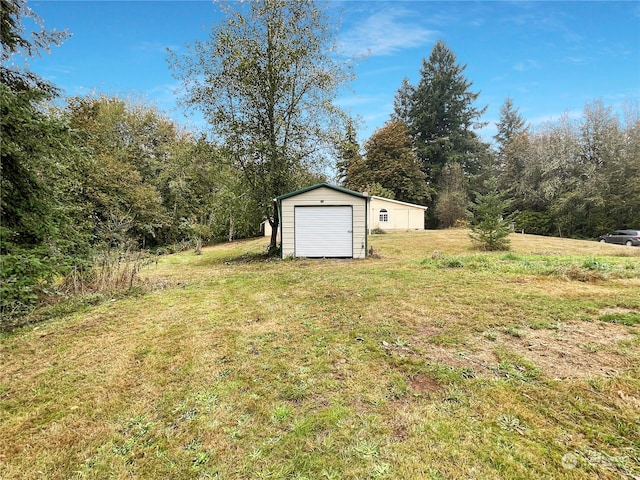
x=401, y=216
x=323, y=196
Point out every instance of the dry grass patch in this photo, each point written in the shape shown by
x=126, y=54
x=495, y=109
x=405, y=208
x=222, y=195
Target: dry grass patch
x=575, y=351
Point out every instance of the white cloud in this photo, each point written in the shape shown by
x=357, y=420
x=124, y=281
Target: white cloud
x=576, y=60
x=526, y=65
x=385, y=32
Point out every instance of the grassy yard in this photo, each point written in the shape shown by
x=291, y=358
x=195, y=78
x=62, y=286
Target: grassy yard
x=428, y=361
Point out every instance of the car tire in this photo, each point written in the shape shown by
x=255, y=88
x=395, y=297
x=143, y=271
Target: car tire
x=603, y=241
x=629, y=243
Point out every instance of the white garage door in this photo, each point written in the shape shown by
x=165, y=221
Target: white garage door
x=324, y=231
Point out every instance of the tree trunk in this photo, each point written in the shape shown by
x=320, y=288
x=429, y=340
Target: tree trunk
x=275, y=224
x=231, y=229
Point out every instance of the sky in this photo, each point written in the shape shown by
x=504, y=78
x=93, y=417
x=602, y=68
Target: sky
x=549, y=57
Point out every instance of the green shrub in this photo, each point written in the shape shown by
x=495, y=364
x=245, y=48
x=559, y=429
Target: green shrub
x=25, y=274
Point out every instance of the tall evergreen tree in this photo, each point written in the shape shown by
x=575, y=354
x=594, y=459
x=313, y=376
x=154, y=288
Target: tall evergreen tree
x=402, y=103
x=442, y=118
x=14, y=16
x=510, y=125
x=24, y=126
x=511, y=145
x=350, y=165
x=442, y=115
x=40, y=230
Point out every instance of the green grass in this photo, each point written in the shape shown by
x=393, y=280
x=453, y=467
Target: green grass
x=432, y=361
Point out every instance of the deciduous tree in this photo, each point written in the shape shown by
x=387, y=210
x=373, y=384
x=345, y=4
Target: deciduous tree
x=265, y=81
x=391, y=161
x=452, y=205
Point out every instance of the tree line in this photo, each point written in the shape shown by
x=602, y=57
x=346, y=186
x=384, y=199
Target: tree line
x=574, y=177
x=90, y=179
x=104, y=174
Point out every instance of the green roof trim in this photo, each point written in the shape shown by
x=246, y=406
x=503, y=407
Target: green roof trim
x=320, y=185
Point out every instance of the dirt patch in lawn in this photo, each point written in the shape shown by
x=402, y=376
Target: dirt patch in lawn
x=424, y=384
x=576, y=350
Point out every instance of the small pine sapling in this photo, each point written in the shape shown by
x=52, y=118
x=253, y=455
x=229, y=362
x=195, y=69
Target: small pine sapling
x=490, y=228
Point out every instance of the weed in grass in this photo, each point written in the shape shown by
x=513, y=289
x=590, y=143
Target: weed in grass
x=622, y=466
x=434, y=474
x=186, y=412
x=592, y=347
x=193, y=446
x=331, y=474
x=511, y=423
x=516, y=371
x=381, y=470
x=398, y=388
x=595, y=264
x=399, y=342
x=200, y=460
x=491, y=336
x=365, y=448
x=256, y=453
x=280, y=413
x=450, y=263
x=514, y=331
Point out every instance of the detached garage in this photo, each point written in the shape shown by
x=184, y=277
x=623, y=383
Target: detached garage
x=323, y=221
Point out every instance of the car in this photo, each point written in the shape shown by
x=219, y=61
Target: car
x=622, y=237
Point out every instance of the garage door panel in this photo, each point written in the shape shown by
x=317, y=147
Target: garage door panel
x=324, y=231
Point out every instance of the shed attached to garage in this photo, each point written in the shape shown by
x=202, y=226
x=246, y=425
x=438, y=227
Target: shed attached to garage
x=323, y=221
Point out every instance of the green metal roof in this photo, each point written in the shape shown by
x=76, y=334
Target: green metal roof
x=320, y=185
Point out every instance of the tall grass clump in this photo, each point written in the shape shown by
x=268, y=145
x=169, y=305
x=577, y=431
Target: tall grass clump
x=112, y=270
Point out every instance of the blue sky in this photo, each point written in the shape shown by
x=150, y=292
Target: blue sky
x=549, y=57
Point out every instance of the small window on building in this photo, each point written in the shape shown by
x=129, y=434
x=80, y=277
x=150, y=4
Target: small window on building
x=384, y=215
